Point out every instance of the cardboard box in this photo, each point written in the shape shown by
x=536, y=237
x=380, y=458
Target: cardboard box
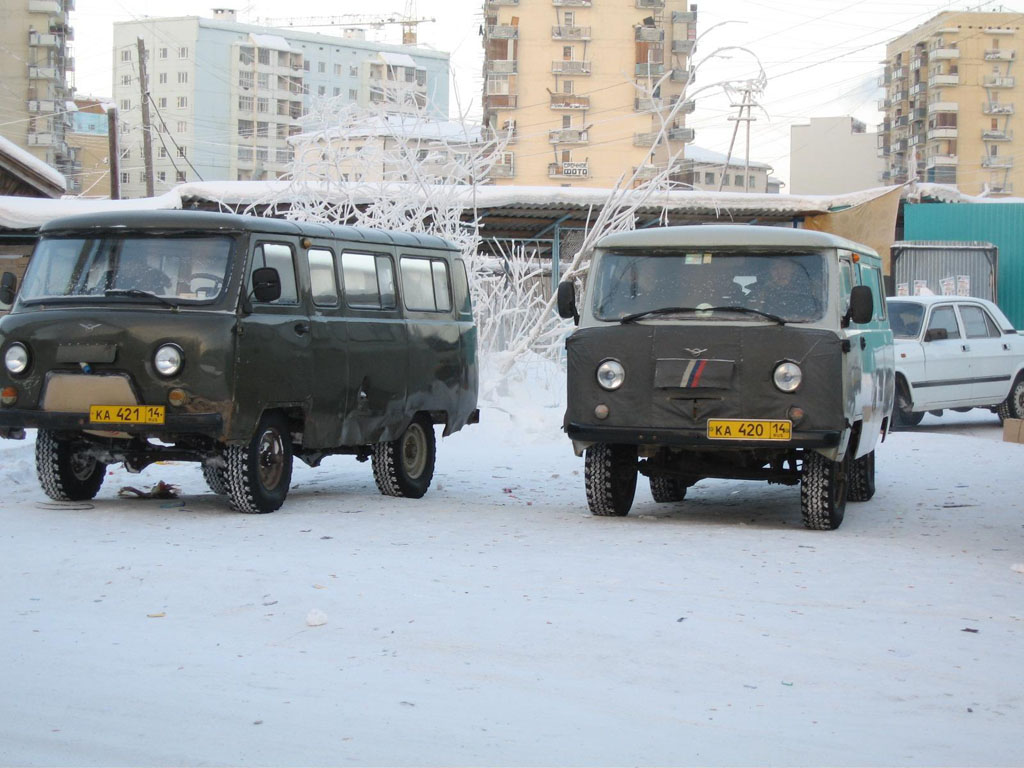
x=1013, y=431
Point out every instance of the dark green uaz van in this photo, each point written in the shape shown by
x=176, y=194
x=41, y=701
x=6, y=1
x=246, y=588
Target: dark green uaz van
x=237, y=342
x=741, y=352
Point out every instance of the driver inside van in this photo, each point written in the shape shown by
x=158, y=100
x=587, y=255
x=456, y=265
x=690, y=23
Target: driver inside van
x=786, y=290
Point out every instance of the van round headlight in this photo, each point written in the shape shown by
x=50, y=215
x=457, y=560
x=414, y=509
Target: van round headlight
x=611, y=374
x=168, y=359
x=16, y=358
x=787, y=376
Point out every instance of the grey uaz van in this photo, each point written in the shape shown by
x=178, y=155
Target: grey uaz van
x=744, y=352
x=236, y=342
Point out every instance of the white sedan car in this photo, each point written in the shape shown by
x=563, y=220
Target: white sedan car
x=954, y=352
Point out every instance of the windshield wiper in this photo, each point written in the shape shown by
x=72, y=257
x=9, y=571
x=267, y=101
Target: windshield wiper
x=751, y=311
x=135, y=293
x=660, y=311
x=681, y=310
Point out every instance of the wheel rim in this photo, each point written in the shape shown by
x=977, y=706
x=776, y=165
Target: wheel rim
x=414, y=451
x=271, y=458
x=82, y=466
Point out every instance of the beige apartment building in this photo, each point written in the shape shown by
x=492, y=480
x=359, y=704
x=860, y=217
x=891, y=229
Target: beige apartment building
x=577, y=87
x=38, y=78
x=951, y=95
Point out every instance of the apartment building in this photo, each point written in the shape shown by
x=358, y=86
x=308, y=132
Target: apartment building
x=579, y=88
x=225, y=97
x=950, y=96
x=38, y=78
x=705, y=169
x=88, y=138
x=830, y=155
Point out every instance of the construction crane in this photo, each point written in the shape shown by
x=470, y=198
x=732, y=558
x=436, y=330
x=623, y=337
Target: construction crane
x=354, y=20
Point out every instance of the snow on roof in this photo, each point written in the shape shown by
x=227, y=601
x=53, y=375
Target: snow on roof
x=701, y=155
x=401, y=126
x=947, y=193
x=33, y=163
x=398, y=59
x=274, y=42
x=32, y=212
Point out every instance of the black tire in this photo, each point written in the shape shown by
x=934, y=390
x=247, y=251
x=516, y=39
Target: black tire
x=405, y=467
x=823, y=492
x=862, y=478
x=216, y=479
x=610, y=473
x=666, y=490
x=65, y=473
x=259, y=473
x=902, y=415
x=1013, y=406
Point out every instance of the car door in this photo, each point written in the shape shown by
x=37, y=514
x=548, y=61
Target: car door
x=992, y=361
x=946, y=381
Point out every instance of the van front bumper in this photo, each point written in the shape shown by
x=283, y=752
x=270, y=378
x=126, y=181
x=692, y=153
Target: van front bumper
x=696, y=438
x=13, y=420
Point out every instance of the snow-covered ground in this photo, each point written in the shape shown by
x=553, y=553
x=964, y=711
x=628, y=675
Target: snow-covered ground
x=495, y=622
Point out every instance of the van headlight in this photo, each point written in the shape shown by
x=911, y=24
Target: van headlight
x=16, y=358
x=611, y=374
x=168, y=359
x=787, y=376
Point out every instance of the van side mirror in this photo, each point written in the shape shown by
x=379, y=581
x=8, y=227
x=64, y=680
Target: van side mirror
x=862, y=305
x=266, y=285
x=567, y=301
x=8, y=286
x=936, y=334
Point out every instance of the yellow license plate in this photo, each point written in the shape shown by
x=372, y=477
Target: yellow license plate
x=126, y=414
x=749, y=429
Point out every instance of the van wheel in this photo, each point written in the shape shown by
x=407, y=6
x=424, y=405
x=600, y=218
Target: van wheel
x=216, y=479
x=667, y=489
x=902, y=414
x=405, y=467
x=258, y=473
x=65, y=472
x=610, y=475
x=862, y=478
x=823, y=491
x=1013, y=406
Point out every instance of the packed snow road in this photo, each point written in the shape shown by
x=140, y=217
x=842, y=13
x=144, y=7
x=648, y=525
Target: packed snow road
x=495, y=622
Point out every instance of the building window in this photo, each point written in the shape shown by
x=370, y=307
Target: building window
x=245, y=79
x=162, y=78
x=163, y=53
x=181, y=151
x=305, y=66
x=709, y=178
x=321, y=90
x=162, y=152
x=245, y=128
x=353, y=70
x=125, y=104
x=262, y=153
x=337, y=69
x=567, y=53
x=162, y=102
x=570, y=19
x=183, y=52
x=321, y=67
x=567, y=86
x=182, y=102
x=161, y=176
x=182, y=77
x=263, y=130
x=263, y=105
x=264, y=56
x=126, y=154
x=264, y=80
x=244, y=103
x=353, y=94
x=245, y=153
x=126, y=177
x=126, y=54
x=182, y=126
x=180, y=176
x=126, y=79
x=337, y=91
x=282, y=131
x=245, y=55
x=738, y=180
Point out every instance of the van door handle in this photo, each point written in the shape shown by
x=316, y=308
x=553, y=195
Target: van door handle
x=863, y=343
x=965, y=347
x=301, y=328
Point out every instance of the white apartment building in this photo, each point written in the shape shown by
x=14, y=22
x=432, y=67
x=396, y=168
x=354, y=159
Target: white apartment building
x=225, y=97
x=708, y=170
x=831, y=155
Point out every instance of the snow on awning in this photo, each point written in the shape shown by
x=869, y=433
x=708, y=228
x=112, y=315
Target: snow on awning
x=398, y=59
x=274, y=42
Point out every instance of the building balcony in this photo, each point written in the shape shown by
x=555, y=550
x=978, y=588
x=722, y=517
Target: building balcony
x=997, y=161
x=570, y=67
x=917, y=89
x=882, y=140
x=568, y=136
x=1005, y=188
x=648, y=34
x=884, y=80
x=503, y=32
x=650, y=5
x=1000, y=54
x=683, y=47
x=684, y=17
x=69, y=64
x=900, y=95
x=501, y=101
x=990, y=135
x=42, y=106
x=681, y=134
x=900, y=121
x=503, y=66
x=680, y=75
x=943, y=54
x=944, y=132
x=647, y=105
x=917, y=139
x=898, y=73
x=52, y=7
x=943, y=106
x=568, y=170
x=40, y=40
x=940, y=160
x=646, y=172
x=43, y=73
x=502, y=171
x=937, y=81
x=570, y=33
x=569, y=101
x=686, y=108
x=882, y=151
x=997, y=108
x=999, y=81
x=42, y=140
x=571, y=3
x=649, y=70
x=499, y=3
x=921, y=60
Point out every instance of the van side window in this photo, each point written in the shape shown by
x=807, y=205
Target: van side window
x=322, y=279
x=369, y=281
x=945, y=317
x=426, y=284
x=845, y=285
x=872, y=278
x=280, y=257
x=977, y=323
x=462, y=288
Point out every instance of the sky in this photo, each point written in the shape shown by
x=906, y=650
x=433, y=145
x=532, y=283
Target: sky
x=821, y=59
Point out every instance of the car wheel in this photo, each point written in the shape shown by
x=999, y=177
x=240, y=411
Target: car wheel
x=902, y=414
x=862, y=478
x=259, y=473
x=65, y=471
x=667, y=489
x=405, y=467
x=1013, y=406
x=823, y=492
x=216, y=479
x=610, y=475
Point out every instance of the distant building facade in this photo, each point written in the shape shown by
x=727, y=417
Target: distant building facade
x=950, y=103
x=575, y=87
x=226, y=97
x=88, y=138
x=714, y=171
x=831, y=155
x=38, y=78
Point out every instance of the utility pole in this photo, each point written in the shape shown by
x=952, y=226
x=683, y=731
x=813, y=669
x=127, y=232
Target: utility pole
x=115, y=154
x=147, y=141
x=748, y=105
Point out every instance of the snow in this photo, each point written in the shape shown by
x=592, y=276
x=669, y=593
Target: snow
x=274, y=42
x=32, y=212
x=496, y=622
x=32, y=162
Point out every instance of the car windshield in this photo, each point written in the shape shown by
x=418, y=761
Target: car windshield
x=173, y=270
x=779, y=286
x=905, y=318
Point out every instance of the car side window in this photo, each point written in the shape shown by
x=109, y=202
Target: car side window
x=322, y=279
x=944, y=317
x=280, y=257
x=369, y=280
x=977, y=323
x=426, y=284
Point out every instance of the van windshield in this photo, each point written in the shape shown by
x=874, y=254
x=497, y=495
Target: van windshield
x=169, y=269
x=772, y=285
